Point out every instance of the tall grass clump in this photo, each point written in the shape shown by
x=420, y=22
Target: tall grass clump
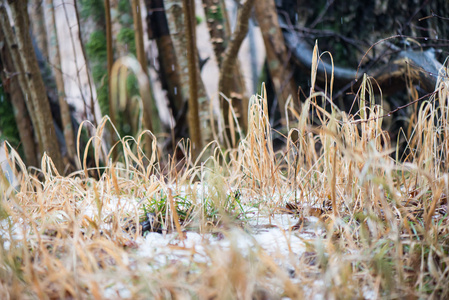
x=366, y=225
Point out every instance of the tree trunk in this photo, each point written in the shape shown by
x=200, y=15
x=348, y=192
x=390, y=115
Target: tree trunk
x=220, y=32
x=90, y=78
x=277, y=54
x=17, y=64
x=44, y=121
x=55, y=60
x=38, y=26
x=22, y=118
x=169, y=69
x=150, y=115
x=140, y=50
x=177, y=31
x=109, y=63
x=109, y=54
x=193, y=116
x=230, y=59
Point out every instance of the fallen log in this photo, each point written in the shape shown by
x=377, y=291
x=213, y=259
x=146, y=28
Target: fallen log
x=421, y=67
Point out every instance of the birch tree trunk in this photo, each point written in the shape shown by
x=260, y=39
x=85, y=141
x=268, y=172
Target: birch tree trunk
x=89, y=65
x=55, y=61
x=177, y=28
x=150, y=115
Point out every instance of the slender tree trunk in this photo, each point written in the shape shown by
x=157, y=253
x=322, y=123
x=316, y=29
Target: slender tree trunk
x=150, y=115
x=120, y=12
x=109, y=55
x=277, y=55
x=177, y=31
x=38, y=26
x=21, y=115
x=42, y=121
x=253, y=53
x=151, y=119
x=215, y=13
x=169, y=69
x=109, y=63
x=220, y=32
x=109, y=50
x=193, y=116
x=173, y=9
x=230, y=58
x=140, y=50
x=88, y=68
x=17, y=63
x=55, y=59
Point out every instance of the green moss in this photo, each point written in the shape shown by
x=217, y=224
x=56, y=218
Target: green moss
x=103, y=99
x=124, y=7
x=8, y=126
x=97, y=53
x=94, y=9
x=126, y=37
x=132, y=86
x=215, y=14
x=96, y=46
x=98, y=72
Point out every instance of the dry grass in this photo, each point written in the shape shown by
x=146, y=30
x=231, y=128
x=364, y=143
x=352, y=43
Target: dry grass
x=384, y=223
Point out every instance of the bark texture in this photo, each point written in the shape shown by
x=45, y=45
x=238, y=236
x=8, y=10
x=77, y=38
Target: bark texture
x=81, y=30
x=277, y=54
x=109, y=63
x=42, y=122
x=10, y=80
x=230, y=60
x=38, y=26
x=193, y=116
x=220, y=32
x=55, y=61
x=177, y=28
x=150, y=114
x=169, y=69
x=138, y=29
x=109, y=50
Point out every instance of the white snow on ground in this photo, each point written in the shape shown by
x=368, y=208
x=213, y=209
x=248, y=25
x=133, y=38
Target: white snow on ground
x=272, y=234
x=275, y=238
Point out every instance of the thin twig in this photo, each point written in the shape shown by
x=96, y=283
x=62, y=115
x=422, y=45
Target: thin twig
x=396, y=109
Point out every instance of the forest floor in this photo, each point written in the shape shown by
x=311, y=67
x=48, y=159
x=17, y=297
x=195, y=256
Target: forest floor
x=339, y=220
